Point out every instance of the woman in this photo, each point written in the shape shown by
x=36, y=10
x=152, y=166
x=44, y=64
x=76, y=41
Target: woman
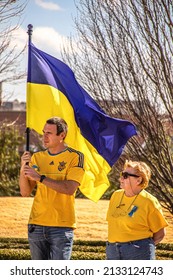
x=135, y=219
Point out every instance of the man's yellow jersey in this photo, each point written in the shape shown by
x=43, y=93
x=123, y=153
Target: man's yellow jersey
x=51, y=208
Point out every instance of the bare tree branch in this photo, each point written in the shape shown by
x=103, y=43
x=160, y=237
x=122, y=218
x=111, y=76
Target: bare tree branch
x=10, y=56
x=125, y=61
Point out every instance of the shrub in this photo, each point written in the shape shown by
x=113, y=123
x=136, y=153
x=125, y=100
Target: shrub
x=18, y=249
x=10, y=140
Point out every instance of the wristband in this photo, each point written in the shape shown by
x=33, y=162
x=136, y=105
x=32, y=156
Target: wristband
x=42, y=178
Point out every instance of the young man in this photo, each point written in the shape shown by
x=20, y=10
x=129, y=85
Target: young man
x=57, y=172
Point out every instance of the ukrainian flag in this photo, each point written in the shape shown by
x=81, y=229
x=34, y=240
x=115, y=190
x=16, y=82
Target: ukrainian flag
x=52, y=90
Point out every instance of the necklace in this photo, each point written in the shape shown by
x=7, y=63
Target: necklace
x=122, y=204
x=121, y=212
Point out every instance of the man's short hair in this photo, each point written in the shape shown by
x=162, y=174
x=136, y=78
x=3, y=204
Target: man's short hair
x=60, y=124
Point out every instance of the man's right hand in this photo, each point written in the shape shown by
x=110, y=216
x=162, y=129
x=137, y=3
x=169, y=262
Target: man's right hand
x=25, y=159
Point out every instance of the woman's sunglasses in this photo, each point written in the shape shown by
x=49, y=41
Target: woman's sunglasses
x=125, y=175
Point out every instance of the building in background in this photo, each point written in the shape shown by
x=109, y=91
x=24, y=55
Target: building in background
x=14, y=113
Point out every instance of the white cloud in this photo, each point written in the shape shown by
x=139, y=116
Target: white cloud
x=18, y=38
x=44, y=38
x=48, y=5
x=48, y=40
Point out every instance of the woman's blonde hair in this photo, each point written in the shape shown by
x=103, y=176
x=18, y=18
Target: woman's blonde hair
x=141, y=169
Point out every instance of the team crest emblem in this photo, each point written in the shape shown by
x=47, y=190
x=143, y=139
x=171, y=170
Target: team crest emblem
x=36, y=167
x=62, y=165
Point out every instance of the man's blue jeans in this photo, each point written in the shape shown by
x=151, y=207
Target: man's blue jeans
x=50, y=243
x=143, y=249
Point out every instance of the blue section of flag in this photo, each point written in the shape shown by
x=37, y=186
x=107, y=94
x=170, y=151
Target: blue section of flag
x=108, y=135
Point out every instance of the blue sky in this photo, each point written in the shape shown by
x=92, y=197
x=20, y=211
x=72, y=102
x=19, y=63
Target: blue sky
x=53, y=24
x=53, y=14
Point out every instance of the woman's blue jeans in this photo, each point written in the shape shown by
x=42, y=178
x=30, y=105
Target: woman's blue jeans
x=50, y=243
x=143, y=249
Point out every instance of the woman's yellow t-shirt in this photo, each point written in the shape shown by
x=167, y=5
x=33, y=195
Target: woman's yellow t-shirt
x=137, y=217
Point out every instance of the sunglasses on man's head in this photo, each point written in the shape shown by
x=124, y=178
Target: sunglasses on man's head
x=125, y=175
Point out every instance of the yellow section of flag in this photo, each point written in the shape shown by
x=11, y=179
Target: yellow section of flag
x=43, y=102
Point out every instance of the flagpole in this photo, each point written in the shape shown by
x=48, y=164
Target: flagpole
x=30, y=29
